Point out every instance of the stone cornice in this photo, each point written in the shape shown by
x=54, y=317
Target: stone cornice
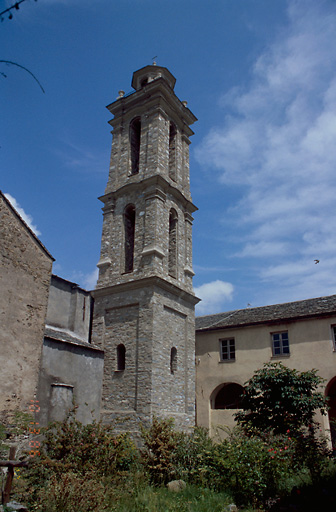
x=153, y=181
x=147, y=282
x=155, y=92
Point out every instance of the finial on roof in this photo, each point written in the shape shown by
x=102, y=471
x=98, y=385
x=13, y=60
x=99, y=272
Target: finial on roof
x=154, y=61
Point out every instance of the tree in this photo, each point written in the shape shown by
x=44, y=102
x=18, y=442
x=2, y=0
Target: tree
x=280, y=399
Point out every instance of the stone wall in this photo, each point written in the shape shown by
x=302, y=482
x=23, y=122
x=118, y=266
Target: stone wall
x=25, y=271
x=148, y=320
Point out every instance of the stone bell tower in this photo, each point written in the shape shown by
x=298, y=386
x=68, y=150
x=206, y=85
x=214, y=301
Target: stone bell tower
x=144, y=300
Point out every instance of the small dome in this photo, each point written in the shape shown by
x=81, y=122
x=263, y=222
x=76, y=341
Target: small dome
x=149, y=73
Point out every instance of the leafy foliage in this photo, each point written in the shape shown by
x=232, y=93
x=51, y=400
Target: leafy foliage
x=279, y=399
x=158, y=454
x=89, y=467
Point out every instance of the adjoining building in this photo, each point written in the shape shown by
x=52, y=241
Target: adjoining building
x=231, y=346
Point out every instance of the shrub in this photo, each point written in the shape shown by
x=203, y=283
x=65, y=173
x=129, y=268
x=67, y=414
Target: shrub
x=69, y=492
x=157, y=457
x=278, y=398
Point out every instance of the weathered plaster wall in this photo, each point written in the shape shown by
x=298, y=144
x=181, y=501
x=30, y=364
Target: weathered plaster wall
x=25, y=270
x=69, y=307
x=70, y=372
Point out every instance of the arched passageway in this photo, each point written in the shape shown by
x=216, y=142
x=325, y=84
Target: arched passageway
x=331, y=395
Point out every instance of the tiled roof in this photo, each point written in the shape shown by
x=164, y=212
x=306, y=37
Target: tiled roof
x=322, y=306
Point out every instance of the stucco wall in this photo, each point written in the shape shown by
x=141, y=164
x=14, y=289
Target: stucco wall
x=25, y=270
x=311, y=346
x=70, y=372
x=69, y=307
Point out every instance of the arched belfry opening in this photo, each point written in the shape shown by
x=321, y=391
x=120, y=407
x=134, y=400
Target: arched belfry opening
x=172, y=151
x=135, y=136
x=227, y=396
x=129, y=227
x=172, y=251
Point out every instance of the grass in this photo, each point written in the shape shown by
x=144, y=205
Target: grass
x=159, y=499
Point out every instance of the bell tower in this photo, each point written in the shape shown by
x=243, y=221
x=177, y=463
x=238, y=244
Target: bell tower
x=144, y=302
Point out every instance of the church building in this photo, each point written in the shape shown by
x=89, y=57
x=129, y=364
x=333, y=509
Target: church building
x=127, y=351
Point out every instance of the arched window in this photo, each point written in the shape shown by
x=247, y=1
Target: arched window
x=228, y=397
x=173, y=360
x=172, y=151
x=121, y=357
x=129, y=226
x=172, y=251
x=135, y=133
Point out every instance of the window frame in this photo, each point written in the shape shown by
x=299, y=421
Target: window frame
x=333, y=336
x=230, y=345
x=280, y=348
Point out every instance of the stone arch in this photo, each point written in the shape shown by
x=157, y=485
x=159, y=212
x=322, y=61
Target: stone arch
x=330, y=393
x=129, y=228
x=135, y=136
x=172, y=151
x=172, y=250
x=121, y=357
x=227, y=396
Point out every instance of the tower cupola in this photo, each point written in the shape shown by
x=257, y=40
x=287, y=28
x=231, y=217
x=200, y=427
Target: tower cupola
x=148, y=74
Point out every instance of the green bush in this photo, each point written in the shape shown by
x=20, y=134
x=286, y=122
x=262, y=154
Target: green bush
x=72, y=446
x=278, y=398
x=160, y=441
x=69, y=492
x=253, y=468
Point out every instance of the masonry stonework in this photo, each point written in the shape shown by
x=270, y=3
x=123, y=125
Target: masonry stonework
x=24, y=283
x=149, y=310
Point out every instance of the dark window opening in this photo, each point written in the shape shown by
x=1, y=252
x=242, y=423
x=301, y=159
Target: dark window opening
x=280, y=344
x=172, y=152
x=144, y=82
x=173, y=360
x=172, y=251
x=135, y=133
x=229, y=397
x=121, y=357
x=227, y=350
x=129, y=221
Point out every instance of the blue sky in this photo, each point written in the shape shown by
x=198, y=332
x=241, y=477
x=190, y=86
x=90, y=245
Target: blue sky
x=259, y=75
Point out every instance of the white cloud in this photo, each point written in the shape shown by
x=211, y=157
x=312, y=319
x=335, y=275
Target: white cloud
x=90, y=280
x=277, y=141
x=83, y=159
x=87, y=281
x=214, y=295
x=25, y=216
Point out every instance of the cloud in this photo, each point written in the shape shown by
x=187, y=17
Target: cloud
x=87, y=281
x=214, y=295
x=25, y=216
x=90, y=280
x=277, y=145
x=83, y=159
